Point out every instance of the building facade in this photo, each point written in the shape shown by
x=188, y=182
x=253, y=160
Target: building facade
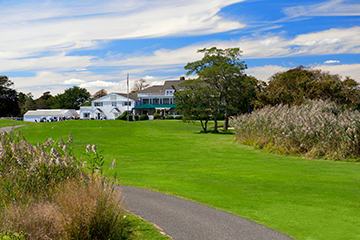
x=108, y=107
x=155, y=98
x=158, y=97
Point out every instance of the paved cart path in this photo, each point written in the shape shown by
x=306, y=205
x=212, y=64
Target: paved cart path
x=8, y=129
x=186, y=220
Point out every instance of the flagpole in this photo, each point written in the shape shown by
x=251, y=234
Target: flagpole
x=127, y=97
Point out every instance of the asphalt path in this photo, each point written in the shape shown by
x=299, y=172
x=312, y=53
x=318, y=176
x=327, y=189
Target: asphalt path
x=186, y=220
x=8, y=129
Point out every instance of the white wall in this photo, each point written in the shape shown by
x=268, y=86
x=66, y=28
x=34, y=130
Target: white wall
x=106, y=105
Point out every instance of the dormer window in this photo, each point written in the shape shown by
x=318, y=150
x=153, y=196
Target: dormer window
x=169, y=92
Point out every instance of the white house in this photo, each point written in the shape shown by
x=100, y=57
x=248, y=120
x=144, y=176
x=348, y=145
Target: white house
x=108, y=107
x=49, y=114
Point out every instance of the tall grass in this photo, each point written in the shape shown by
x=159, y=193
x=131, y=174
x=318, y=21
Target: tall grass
x=316, y=129
x=45, y=194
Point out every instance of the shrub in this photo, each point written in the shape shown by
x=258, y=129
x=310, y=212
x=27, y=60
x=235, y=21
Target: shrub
x=123, y=116
x=143, y=117
x=178, y=117
x=169, y=117
x=45, y=194
x=136, y=117
x=156, y=115
x=316, y=129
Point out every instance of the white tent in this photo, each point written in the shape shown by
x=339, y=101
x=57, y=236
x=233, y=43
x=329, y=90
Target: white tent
x=48, y=114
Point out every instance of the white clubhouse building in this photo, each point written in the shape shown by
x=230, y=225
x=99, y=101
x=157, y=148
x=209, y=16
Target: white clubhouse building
x=147, y=101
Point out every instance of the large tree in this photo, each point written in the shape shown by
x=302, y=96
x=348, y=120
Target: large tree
x=26, y=102
x=99, y=94
x=292, y=87
x=46, y=101
x=139, y=85
x=196, y=101
x=72, y=98
x=9, y=106
x=223, y=72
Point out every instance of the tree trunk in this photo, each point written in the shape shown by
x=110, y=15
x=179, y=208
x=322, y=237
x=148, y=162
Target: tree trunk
x=204, y=125
x=226, y=123
x=215, y=127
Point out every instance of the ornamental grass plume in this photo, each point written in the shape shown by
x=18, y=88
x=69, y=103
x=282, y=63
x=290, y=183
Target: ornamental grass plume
x=315, y=129
x=45, y=193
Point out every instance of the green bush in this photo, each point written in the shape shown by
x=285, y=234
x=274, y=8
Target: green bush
x=136, y=117
x=123, y=117
x=169, y=117
x=143, y=117
x=179, y=117
x=156, y=115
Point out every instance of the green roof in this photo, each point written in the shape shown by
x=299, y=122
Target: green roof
x=158, y=106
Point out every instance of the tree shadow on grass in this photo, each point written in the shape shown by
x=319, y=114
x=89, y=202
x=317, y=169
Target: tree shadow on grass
x=220, y=131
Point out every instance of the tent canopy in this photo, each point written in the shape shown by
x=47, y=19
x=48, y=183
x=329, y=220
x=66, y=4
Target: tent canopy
x=156, y=106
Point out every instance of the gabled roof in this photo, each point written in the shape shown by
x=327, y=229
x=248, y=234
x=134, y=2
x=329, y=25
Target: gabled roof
x=51, y=112
x=131, y=97
x=168, y=85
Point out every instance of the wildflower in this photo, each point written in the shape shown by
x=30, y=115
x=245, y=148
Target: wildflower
x=94, y=149
x=112, y=164
x=88, y=148
x=64, y=148
x=70, y=139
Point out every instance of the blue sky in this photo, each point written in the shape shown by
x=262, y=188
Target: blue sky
x=51, y=45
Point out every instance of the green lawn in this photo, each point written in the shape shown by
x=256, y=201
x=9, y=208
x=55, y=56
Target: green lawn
x=304, y=198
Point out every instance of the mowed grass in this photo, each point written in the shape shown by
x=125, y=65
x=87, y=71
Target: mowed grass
x=304, y=198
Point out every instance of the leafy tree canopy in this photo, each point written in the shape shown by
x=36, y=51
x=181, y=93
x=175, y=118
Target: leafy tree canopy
x=100, y=93
x=223, y=73
x=9, y=106
x=295, y=85
x=72, y=98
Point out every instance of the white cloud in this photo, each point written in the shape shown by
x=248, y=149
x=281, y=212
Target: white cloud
x=56, y=27
x=73, y=81
x=332, y=41
x=264, y=72
x=329, y=8
x=351, y=70
x=332, y=61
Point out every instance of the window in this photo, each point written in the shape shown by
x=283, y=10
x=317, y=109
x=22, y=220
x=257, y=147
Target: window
x=86, y=115
x=146, y=101
x=127, y=103
x=113, y=104
x=169, y=92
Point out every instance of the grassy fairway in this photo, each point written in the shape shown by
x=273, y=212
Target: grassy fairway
x=306, y=199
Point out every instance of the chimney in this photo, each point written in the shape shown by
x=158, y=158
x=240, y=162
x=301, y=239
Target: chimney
x=182, y=78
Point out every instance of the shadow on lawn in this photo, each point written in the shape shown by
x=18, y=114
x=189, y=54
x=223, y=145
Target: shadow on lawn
x=220, y=131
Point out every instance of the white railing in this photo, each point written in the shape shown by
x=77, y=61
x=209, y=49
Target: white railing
x=155, y=94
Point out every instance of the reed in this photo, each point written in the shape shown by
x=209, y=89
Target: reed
x=316, y=129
